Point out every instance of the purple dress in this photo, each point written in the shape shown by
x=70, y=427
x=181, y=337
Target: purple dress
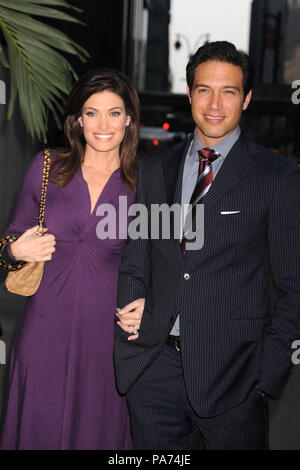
x=62, y=387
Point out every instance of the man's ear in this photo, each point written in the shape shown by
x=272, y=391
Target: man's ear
x=247, y=100
x=188, y=92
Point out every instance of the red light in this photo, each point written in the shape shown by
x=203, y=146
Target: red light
x=155, y=142
x=166, y=126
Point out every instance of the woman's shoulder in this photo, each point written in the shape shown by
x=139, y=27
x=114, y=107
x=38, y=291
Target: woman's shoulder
x=38, y=159
x=35, y=168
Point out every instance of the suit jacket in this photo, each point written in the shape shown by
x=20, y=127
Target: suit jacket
x=239, y=308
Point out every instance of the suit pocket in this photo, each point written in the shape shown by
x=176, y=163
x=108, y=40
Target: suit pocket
x=234, y=215
x=249, y=329
x=235, y=218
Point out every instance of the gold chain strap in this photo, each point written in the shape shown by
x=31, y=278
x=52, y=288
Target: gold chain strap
x=46, y=171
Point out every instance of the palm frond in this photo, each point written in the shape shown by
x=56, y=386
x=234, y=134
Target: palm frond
x=3, y=59
x=37, y=9
x=40, y=75
x=57, y=3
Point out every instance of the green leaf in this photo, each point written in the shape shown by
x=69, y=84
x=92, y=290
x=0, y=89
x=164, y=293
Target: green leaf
x=3, y=59
x=34, y=9
x=27, y=23
x=58, y=3
x=12, y=99
x=38, y=31
x=40, y=75
x=42, y=52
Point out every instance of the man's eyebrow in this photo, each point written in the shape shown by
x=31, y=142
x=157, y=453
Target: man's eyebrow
x=232, y=86
x=201, y=85
x=204, y=85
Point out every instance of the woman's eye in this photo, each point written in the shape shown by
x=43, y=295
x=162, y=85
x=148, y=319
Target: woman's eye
x=115, y=113
x=90, y=113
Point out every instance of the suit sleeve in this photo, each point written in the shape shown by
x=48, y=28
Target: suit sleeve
x=284, y=247
x=134, y=273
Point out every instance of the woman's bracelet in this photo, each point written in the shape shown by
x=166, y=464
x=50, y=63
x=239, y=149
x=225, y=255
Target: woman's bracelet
x=3, y=263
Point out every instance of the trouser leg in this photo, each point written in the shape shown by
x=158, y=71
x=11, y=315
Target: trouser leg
x=162, y=417
x=158, y=407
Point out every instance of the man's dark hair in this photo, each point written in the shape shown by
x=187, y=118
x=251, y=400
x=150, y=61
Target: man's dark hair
x=222, y=51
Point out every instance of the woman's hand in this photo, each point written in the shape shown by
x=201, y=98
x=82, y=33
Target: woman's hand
x=30, y=247
x=130, y=317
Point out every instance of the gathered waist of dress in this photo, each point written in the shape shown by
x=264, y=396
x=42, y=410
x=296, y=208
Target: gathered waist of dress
x=74, y=241
x=116, y=245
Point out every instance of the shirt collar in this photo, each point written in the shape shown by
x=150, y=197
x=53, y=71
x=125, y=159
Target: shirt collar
x=223, y=147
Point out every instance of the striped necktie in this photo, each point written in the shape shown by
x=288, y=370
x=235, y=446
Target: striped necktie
x=204, y=181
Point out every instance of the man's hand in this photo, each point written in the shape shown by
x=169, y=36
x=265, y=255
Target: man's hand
x=130, y=317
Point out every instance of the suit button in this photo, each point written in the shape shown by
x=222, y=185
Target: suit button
x=186, y=276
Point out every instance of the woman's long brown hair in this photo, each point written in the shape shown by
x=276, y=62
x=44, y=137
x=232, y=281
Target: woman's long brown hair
x=68, y=161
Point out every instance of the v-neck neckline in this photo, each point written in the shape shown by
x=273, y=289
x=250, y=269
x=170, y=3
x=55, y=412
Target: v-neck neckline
x=100, y=195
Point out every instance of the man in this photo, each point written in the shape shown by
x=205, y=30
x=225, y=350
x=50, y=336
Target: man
x=215, y=340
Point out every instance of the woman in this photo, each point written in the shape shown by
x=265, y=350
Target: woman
x=62, y=389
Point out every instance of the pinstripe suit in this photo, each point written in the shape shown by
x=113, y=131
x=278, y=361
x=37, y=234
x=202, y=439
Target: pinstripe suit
x=239, y=308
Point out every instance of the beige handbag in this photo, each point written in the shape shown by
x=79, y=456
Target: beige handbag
x=24, y=279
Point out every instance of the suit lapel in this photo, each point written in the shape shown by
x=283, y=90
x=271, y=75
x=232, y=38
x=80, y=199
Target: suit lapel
x=236, y=165
x=173, y=165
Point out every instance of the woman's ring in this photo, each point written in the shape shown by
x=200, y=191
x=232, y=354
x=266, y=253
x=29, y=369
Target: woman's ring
x=135, y=331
